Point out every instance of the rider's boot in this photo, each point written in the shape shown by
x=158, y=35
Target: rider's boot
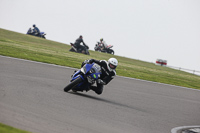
x=97, y=90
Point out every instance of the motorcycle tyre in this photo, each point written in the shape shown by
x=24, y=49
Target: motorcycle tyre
x=87, y=53
x=73, y=84
x=111, y=52
x=72, y=50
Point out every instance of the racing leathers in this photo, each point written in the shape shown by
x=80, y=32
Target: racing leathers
x=36, y=31
x=78, y=44
x=105, y=77
x=103, y=45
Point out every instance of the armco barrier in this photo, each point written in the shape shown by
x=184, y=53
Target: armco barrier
x=186, y=70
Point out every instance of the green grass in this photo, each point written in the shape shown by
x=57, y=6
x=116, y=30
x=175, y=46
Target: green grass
x=8, y=129
x=33, y=48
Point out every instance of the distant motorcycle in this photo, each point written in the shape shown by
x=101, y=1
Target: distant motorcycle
x=84, y=51
x=108, y=49
x=84, y=78
x=42, y=34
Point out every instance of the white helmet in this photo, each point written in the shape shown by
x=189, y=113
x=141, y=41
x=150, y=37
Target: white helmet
x=112, y=64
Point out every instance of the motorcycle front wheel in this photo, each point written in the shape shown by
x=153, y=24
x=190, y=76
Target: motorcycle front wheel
x=87, y=53
x=73, y=84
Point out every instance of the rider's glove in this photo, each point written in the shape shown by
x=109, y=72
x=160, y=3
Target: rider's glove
x=99, y=81
x=87, y=61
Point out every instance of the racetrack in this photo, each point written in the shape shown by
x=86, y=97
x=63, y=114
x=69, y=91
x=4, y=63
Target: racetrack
x=32, y=99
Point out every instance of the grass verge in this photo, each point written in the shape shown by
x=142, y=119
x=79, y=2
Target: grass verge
x=33, y=48
x=8, y=129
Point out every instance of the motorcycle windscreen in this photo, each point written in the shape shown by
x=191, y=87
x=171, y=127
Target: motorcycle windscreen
x=96, y=71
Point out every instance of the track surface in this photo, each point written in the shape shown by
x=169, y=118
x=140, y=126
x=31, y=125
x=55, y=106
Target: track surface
x=32, y=98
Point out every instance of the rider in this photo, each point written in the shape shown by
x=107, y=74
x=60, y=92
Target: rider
x=78, y=43
x=36, y=31
x=108, y=72
x=103, y=44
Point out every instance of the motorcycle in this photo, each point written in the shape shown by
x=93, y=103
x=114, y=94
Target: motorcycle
x=80, y=50
x=108, y=49
x=84, y=78
x=42, y=34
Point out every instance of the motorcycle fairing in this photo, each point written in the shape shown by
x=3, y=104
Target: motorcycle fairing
x=91, y=71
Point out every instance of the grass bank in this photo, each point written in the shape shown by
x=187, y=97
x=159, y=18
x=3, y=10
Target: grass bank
x=8, y=129
x=33, y=48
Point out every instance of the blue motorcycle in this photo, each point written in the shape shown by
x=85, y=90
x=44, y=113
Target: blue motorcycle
x=84, y=78
x=41, y=34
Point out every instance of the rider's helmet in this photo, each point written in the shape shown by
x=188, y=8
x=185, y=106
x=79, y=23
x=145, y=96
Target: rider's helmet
x=101, y=39
x=112, y=64
x=34, y=25
x=80, y=36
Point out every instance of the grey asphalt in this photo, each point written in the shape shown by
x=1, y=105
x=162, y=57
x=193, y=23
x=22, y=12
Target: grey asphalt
x=32, y=99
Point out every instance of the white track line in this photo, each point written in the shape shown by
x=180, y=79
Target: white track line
x=178, y=129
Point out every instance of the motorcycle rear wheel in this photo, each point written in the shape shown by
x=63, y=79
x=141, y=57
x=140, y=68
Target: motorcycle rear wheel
x=111, y=51
x=73, y=84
